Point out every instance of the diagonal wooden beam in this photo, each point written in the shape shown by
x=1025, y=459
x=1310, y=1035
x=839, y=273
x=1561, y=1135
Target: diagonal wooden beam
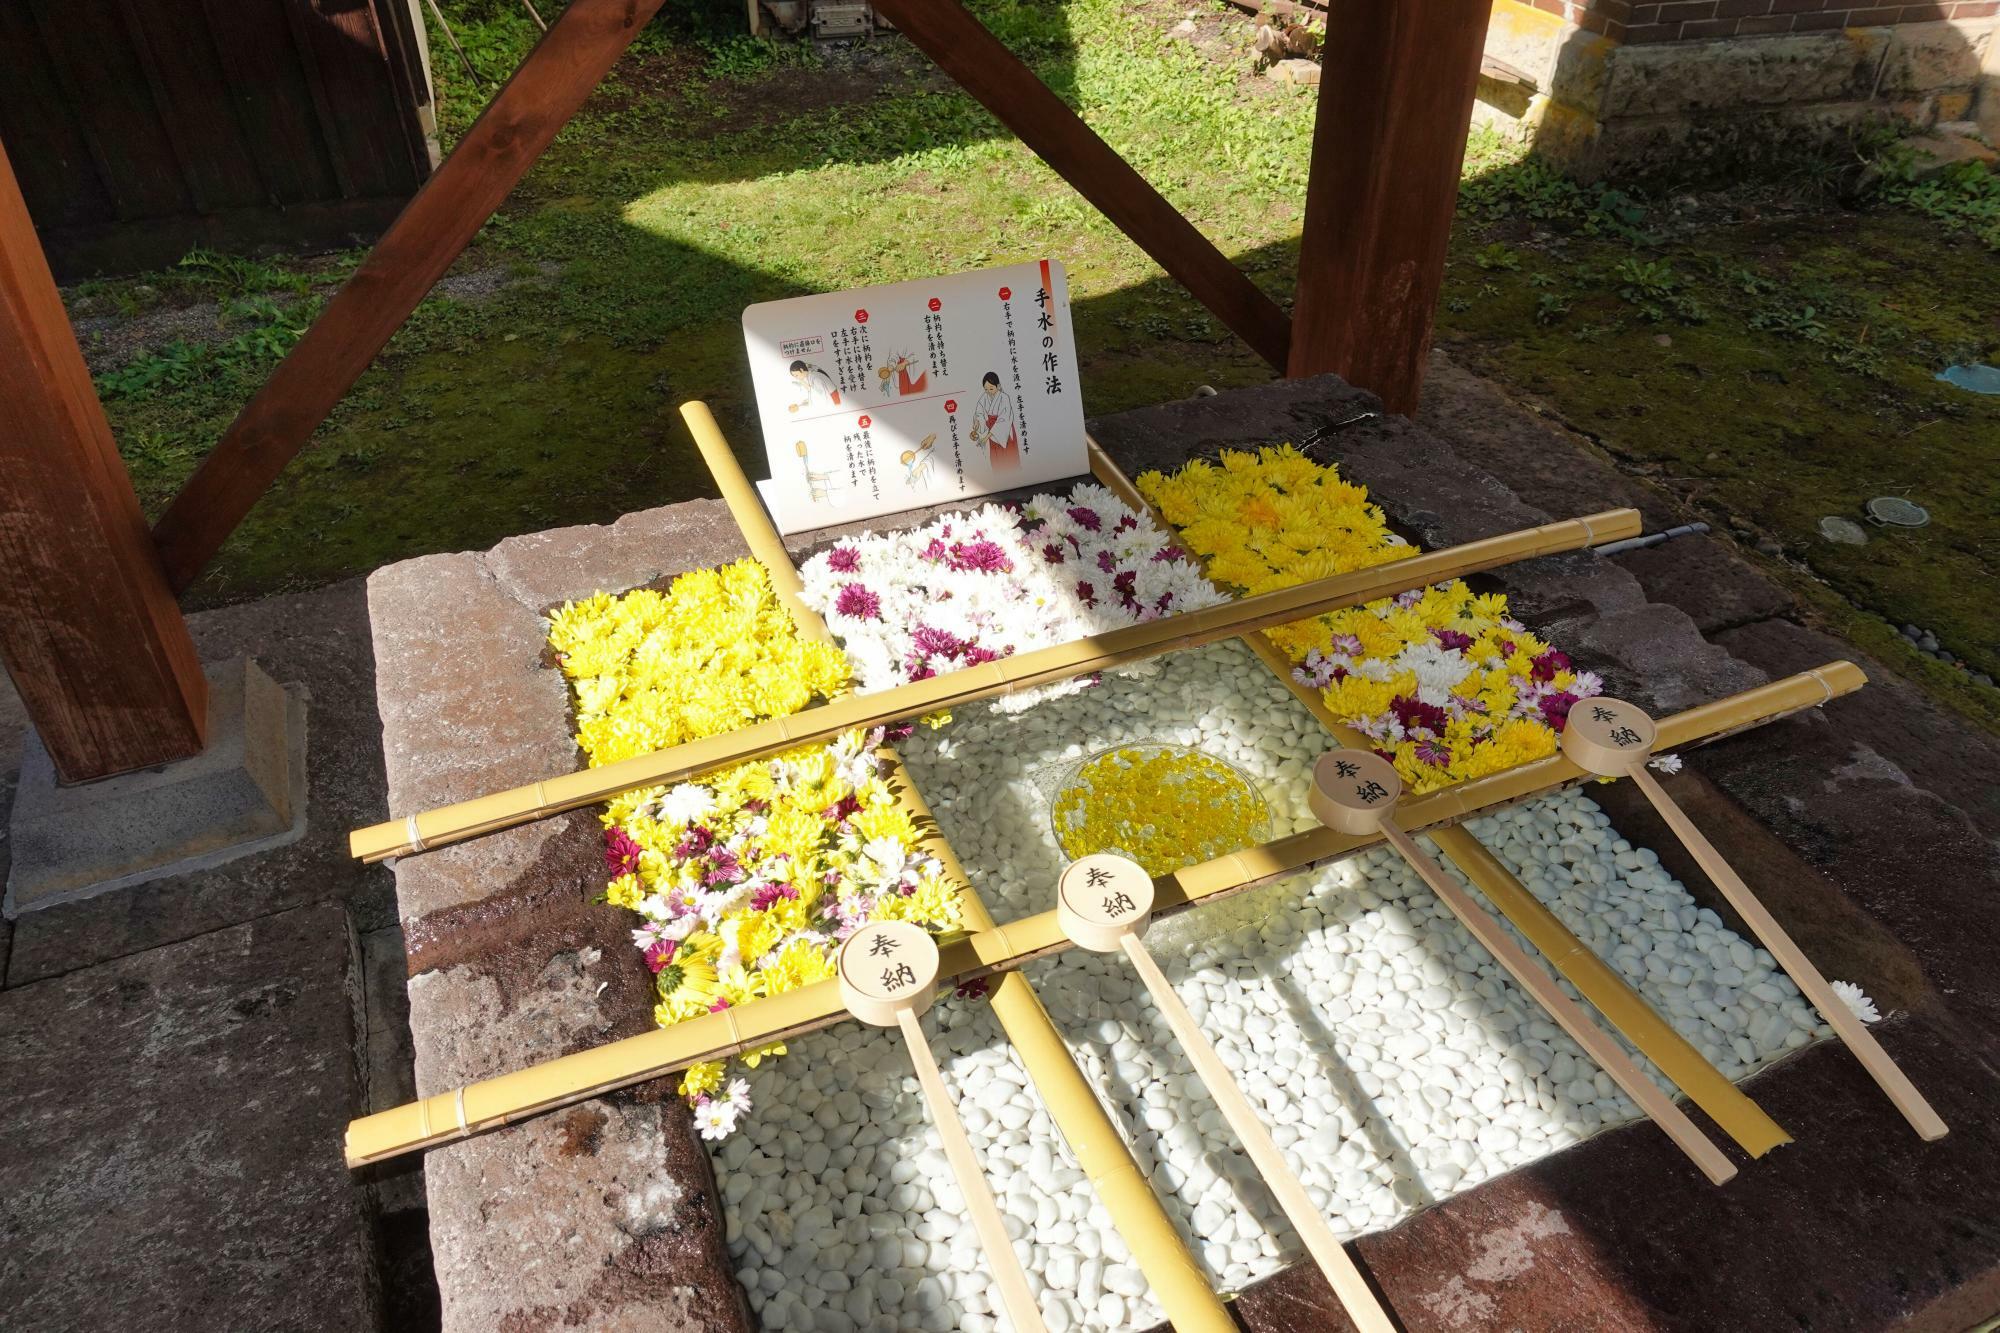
x=962, y=47
x=431, y=232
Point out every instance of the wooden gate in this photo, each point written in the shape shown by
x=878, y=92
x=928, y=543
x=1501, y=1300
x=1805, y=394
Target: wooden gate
x=140, y=129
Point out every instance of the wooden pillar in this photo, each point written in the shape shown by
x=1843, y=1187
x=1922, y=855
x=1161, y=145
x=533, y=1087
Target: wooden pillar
x=1395, y=99
x=89, y=629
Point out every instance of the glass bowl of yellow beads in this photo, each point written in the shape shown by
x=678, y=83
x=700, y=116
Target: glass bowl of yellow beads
x=1165, y=806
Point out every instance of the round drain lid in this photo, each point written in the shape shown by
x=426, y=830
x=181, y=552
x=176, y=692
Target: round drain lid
x=1843, y=530
x=1897, y=512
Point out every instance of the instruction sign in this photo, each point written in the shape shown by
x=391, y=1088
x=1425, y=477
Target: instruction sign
x=916, y=393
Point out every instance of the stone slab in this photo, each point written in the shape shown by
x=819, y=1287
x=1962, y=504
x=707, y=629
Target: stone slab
x=1793, y=70
x=1926, y=58
x=1556, y=469
x=1937, y=750
x=170, y=1138
x=244, y=793
x=603, y=1216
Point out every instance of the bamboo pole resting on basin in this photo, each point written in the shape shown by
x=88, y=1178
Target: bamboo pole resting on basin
x=1674, y=1055
x=1136, y=1213
x=1119, y=647
x=566, y=1080
x=1615, y=738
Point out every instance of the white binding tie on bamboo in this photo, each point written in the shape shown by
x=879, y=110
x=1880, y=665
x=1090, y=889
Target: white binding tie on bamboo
x=1355, y=791
x=1105, y=903
x=888, y=976
x=1614, y=739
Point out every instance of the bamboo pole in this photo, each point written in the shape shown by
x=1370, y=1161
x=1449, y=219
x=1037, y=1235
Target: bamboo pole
x=566, y=1080
x=1615, y=738
x=1104, y=903
x=1175, y=1277
x=1356, y=790
x=1674, y=1055
x=1131, y=643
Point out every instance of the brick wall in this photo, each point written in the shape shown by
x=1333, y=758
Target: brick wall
x=1637, y=21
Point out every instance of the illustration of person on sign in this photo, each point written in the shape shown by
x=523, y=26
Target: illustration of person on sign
x=993, y=424
x=814, y=386
x=899, y=368
x=918, y=464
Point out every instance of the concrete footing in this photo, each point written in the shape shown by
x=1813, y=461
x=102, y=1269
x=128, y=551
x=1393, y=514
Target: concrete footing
x=246, y=792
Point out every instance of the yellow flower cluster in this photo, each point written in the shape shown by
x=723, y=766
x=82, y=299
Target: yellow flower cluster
x=1271, y=519
x=747, y=880
x=1162, y=806
x=1441, y=680
x=714, y=652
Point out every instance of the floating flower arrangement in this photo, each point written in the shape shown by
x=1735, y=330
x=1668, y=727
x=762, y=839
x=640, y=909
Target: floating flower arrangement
x=1164, y=806
x=747, y=881
x=1442, y=679
x=971, y=587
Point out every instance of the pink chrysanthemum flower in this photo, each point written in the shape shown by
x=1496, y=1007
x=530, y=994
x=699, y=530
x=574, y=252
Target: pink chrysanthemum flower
x=859, y=602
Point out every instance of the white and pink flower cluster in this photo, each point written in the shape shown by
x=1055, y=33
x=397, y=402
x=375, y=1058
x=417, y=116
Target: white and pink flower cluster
x=970, y=587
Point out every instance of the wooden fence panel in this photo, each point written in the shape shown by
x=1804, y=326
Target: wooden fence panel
x=142, y=128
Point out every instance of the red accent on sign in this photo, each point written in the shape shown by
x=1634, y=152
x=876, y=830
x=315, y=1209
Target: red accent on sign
x=936, y=304
x=951, y=404
x=1006, y=293
x=861, y=317
x=865, y=423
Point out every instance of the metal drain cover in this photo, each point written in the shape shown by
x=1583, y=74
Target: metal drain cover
x=1843, y=530
x=1897, y=512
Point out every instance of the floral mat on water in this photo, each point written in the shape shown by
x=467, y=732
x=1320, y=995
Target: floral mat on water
x=748, y=880
x=968, y=588
x=1445, y=683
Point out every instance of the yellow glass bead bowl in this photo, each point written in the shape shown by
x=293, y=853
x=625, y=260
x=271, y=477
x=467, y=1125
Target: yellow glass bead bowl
x=1164, y=806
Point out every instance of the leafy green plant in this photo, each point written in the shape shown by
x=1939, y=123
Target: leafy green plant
x=1504, y=181
x=1654, y=287
x=1964, y=197
x=267, y=330
x=1800, y=322
x=742, y=57
x=1550, y=308
x=1497, y=256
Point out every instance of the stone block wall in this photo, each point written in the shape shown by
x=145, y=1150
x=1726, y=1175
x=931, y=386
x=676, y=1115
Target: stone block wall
x=1620, y=86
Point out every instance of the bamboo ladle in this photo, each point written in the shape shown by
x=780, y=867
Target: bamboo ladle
x=888, y=974
x=1104, y=903
x=1355, y=791
x=1614, y=738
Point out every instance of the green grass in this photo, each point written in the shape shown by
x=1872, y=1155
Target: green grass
x=713, y=170
x=1775, y=371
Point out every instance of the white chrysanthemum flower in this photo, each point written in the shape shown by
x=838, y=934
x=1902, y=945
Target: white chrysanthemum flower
x=717, y=1118
x=1438, y=670
x=1857, y=1001
x=888, y=854
x=689, y=803
x=1666, y=763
